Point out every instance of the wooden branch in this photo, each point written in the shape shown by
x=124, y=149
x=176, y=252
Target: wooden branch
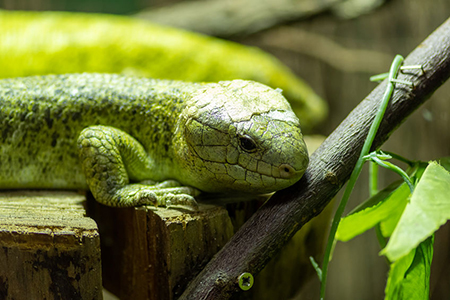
x=243, y=17
x=330, y=167
x=235, y=17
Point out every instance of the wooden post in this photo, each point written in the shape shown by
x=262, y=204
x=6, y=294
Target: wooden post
x=152, y=253
x=49, y=249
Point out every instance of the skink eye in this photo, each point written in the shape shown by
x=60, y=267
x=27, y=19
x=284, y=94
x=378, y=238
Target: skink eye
x=247, y=143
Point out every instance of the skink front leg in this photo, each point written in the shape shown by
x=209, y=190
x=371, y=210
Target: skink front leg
x=111, y=158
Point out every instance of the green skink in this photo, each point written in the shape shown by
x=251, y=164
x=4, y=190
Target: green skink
x=135, y=141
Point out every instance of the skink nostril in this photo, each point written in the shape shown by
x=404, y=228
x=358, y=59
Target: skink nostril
x=286, y=171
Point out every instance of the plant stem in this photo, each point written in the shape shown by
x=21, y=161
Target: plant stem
x=381, y=239
x=400, y=158
x=373, y=175
x=397, y=170
x=395, y=67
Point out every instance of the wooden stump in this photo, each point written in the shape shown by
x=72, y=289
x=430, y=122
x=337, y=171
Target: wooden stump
x=50, y=250
x=152, y=253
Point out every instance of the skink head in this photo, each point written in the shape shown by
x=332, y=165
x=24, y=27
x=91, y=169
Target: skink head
x=243, y=137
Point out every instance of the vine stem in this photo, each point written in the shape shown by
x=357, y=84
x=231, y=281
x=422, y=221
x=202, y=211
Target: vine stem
x=373, y=175
x=393, y=72
x=397, y=170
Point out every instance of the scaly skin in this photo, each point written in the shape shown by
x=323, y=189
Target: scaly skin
x=109, y=133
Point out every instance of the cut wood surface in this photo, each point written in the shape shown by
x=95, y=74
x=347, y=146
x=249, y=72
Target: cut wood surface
x=51, y=250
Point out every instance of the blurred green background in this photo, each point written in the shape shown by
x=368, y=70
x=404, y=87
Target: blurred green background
x=334, y=46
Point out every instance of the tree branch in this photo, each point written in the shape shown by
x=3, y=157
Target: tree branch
x=233, y=17
x=330, y=167
x=242, y=17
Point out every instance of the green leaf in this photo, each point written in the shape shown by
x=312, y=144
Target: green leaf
x=388, y=225
x=417, y=282
x=386, y=205
x=445, y=162
x=409, y=277
x=397, y=274
x=428, y=209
